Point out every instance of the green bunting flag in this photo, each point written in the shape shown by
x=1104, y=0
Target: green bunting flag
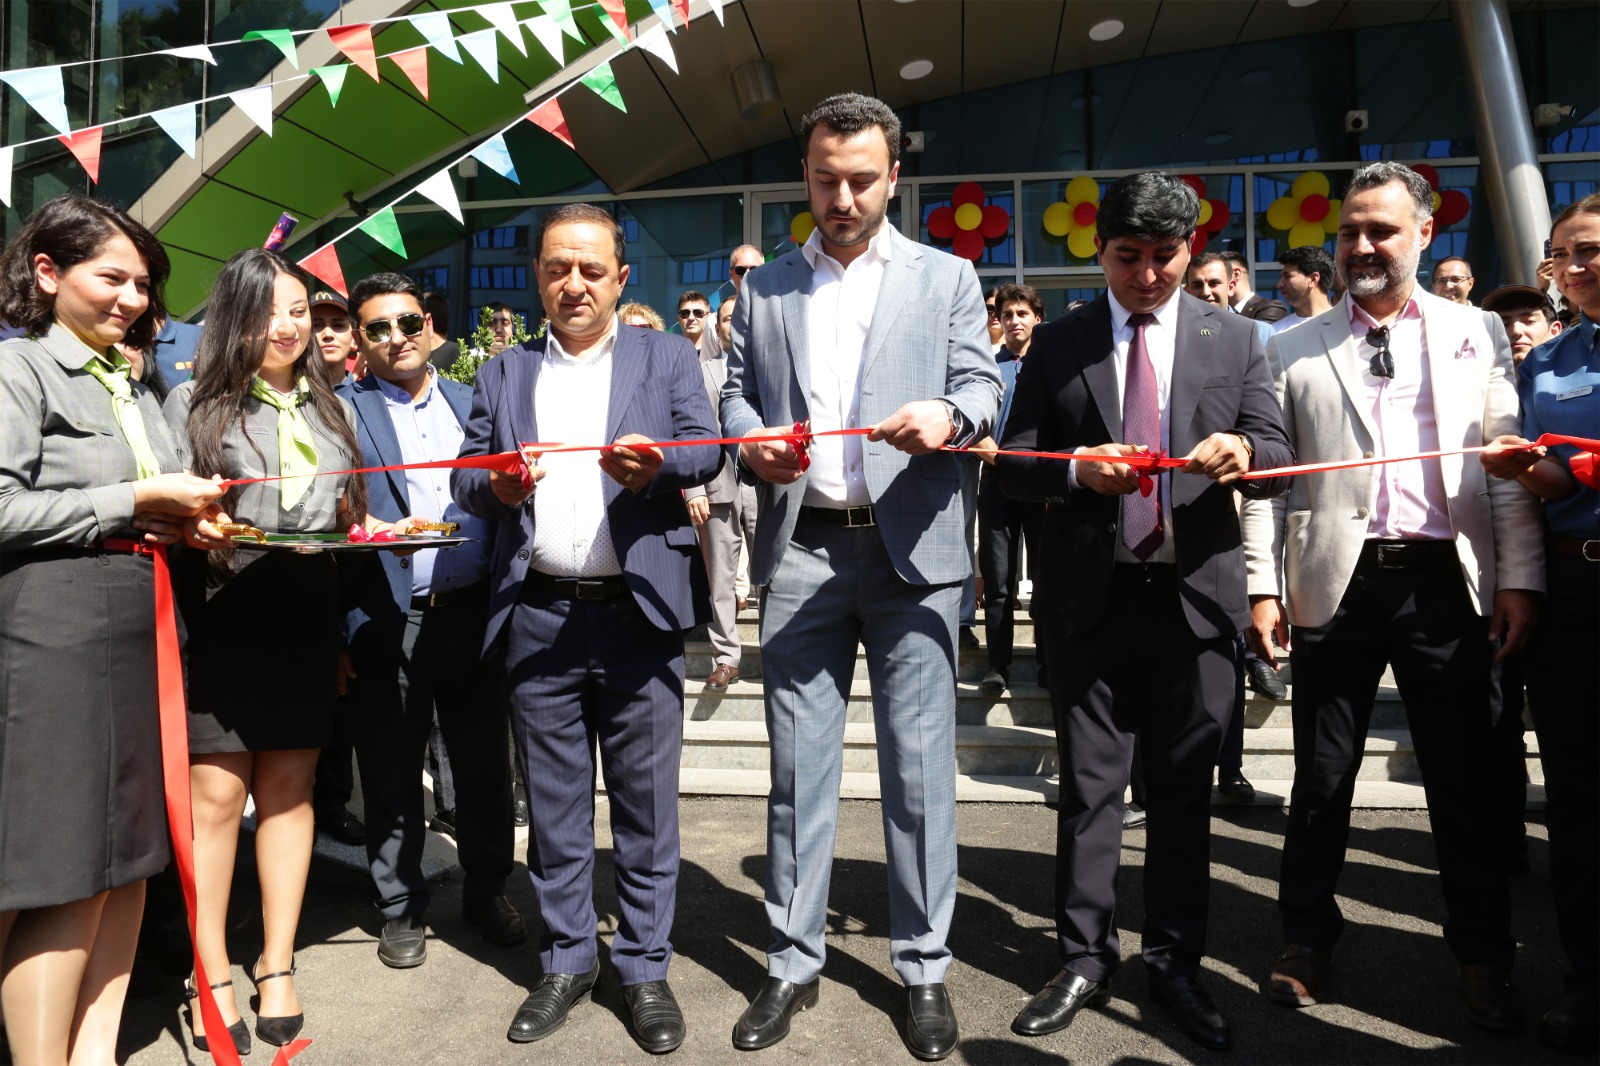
x=385, y=229
x=603, y=82
x=333, y=78
x=283, y=39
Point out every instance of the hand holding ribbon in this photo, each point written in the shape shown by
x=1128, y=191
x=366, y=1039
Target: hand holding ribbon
x=777, y=453
x=630, y=465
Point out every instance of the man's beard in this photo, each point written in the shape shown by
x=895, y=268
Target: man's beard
x=857, y=230
x=1397, y=273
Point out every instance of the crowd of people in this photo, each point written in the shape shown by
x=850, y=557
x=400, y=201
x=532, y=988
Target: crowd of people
x=856, y=372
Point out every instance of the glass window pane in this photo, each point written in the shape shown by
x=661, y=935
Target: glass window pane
x=679, y=243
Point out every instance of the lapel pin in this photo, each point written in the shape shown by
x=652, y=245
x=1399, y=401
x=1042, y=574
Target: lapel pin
x=1205, y=332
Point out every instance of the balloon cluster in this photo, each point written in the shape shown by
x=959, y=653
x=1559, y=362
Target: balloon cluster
x=1306, y=214
x=1449, y=206
x=967, y=222
x=1074, y=216
x=1213, y=213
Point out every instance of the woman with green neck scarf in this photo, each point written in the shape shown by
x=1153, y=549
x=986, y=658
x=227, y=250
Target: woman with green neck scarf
x=89, y=476
x=260, y=406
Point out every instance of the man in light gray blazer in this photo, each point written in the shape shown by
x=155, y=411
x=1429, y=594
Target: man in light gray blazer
x=860, y=539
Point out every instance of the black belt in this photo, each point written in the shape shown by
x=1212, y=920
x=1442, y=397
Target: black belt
x=578, y=588
x=1573, y=547
x=451, y=597
x=1405, y=554
x=849, y=517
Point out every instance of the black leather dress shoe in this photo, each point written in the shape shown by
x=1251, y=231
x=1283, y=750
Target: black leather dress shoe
x=1134, y=816
x=497, y=919
x=546, y=1008
x=1492, y=1000
x=1053, y=1009
x=519, y=811
x=766, y=1020
x=1570, y=1025
x=1265, y=680
x=657, y=1019
x=1232, y=786
x=342, y=826
x=1197, y=1015
x=403, y=942
x=931, y=1032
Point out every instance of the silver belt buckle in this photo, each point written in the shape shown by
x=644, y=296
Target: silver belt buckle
x=850, y=514
x=1591, y=551
x=579, y=585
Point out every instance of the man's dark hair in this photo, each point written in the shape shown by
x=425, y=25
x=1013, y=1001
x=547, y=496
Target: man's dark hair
x=382, y=285
x=1236, y=259
x=1309, y=260
x=1452, y=259
x=1148, y=206
x=850, y=113
x=690, y=296
x=1013, y=293
x=437, y=307
x=1205, y=259
x=569, y=213
x=1373, y=175
x=497, y=306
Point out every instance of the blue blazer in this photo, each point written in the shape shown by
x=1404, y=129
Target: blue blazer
x=656, y=390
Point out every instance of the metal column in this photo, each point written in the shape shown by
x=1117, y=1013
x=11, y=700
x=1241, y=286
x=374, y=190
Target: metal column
x=1517, y=203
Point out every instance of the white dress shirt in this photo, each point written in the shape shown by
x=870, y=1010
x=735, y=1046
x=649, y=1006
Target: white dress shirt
x=571, y=530
x=842, y=302
x=1160, y=340
x=1412, y=503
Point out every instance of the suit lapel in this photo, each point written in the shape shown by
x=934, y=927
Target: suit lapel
x=521, y=378
x=1100, y=370
x=900, y=276
x=1344, y=354
x=629, y=361
x=797, y=320
x=1442, y=353
x=373, y=410
x=1193, y=351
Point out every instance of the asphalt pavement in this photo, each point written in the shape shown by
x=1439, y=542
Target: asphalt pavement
x=1394, y=994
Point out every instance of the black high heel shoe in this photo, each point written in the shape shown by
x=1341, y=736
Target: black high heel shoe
x=238, y=1030
x=277, y=1031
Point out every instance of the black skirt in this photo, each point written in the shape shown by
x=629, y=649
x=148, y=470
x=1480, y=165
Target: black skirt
x=81, y=800
x=263, y=652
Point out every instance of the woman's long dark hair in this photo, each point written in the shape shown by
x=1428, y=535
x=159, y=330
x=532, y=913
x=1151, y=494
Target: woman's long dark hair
x=70, y=230
x=231, y=349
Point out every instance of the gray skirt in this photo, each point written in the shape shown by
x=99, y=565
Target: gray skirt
x=81, y=799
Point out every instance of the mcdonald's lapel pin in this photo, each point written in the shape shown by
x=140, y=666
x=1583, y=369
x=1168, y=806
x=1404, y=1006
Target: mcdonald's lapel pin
x=1205, y=332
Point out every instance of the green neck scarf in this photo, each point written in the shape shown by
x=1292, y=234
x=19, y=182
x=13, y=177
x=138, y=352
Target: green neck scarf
x=297, y=449
x=113, y=371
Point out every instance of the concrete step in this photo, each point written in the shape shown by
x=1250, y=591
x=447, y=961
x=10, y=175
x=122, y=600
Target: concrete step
x=991, y=751
x=750, y=627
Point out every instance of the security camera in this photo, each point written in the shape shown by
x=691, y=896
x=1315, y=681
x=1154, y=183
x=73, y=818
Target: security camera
x=913, y=141
x=1356, y=122
x=1552, y=114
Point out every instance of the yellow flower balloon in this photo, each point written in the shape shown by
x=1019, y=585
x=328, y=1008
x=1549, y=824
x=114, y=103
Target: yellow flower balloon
x=1331, y=222
x=1083, y=189
x=1307, y=234
x=1081, y=243
x=1312, y=181
x=1205, y=212
x=1283, y=213
x=800, y=227
x=1058, y=219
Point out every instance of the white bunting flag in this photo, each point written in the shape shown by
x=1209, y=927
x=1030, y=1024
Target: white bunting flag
x=435, y=27
x=5, y=175
x=43, y=89
x=442, y=191
x=716, y=9
x=179, y=124
x=480, y=45
x=549, y=36
x=191, y=51
x=654, y=40
x=502, y=18
x=256, y=103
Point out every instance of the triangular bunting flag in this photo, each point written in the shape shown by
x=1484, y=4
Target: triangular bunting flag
x=5, y=174
x=414, y=61
x=663, y=11
x=547, y=116
x=494, y=155
x=333, y=78
x=324, y=264
x=256, y=103
x=716, y=9
x=618, y=13
x=548, y=34
x=603, y=82
x=480, y=45
x=43, y=89
x=442, y=191
x=385, y=229
x=356, y=43
x=191, y=51
x=654, y=40
x=282, y=39
x=683, y=10
x=435, y=26
x=561, y=11
x=179, y=124
x=85, y=145
x=502, y=18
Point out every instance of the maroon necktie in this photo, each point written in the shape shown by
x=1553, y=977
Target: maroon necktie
x=1141, y=424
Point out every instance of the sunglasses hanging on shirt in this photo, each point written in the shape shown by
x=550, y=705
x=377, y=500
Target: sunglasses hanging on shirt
x=1382, y=365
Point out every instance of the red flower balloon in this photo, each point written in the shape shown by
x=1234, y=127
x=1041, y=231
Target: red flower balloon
x=967, y=222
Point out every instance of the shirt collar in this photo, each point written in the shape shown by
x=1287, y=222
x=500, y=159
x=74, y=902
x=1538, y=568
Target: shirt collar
x=65, y=347
x=1166, y=314
x=1588, y=330
x=1360, y=321
x=879, y=247
x=554, y=352
x=402, y=396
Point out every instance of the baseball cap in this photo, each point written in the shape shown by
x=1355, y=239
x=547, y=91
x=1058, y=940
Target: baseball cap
x=1507, y=297
x=328, y=296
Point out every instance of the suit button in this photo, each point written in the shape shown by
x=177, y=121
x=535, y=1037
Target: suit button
x=405, y=564
x=1361, y=512
x=1112, y=528
x=523, y=554
x=1366, y=455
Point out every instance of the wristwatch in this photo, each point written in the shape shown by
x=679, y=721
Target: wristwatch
x=1249, y=445
x=954, y=415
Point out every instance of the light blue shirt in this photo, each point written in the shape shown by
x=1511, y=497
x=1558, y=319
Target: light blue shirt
x=428, y=430
x=1559, y=385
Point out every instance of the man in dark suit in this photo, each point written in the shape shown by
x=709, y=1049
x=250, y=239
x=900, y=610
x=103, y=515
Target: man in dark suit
x=414, y=636
x=1126, y=577
x=597, y=573
x=1243, y=296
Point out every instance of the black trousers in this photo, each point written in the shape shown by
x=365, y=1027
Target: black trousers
x=1564, y=693
x=1003, y=525
x=1107, y=695
x=401, y=678
x=335, y=778
x=1418, y=618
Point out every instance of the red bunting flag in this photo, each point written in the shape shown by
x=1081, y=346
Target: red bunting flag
x=547, y=116
x=618, y=12
x=324, y=263
x=356, y=43
x=414, y=61
x=85, y=145
x=683, y=10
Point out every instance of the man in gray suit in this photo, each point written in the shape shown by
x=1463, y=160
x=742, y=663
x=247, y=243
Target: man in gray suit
x=713, y=507
x=860, y=539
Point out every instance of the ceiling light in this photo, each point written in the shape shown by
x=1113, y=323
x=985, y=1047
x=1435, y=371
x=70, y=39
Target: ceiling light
x=917, y=68
x=1301, y=3
x=1259, y=76
x=755, y=90
x=1104, y=31
x=1219, y=137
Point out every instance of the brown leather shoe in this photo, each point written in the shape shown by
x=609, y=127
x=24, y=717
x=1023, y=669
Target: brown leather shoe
x=724, y=673
x=1297, y=976
x=1492, y=1000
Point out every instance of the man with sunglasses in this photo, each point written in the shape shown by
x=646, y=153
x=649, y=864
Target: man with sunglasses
x=694, y=315
x=415, y=637
x=1425, y=565
x=744, y=259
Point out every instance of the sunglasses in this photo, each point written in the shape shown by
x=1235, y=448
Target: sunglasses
x=742, y=271
x=1382, y=365
x=691, y=312
x=377, y=331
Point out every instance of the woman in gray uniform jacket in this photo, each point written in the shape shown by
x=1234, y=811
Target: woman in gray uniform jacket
x=89, y=478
